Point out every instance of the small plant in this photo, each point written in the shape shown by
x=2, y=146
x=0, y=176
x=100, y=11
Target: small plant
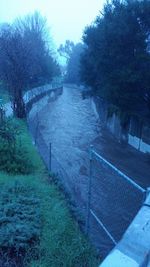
x=19, y=222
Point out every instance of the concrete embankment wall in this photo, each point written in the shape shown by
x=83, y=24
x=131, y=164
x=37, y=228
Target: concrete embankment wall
x=49, y=92
x=134, y=248
x=36, y=94
x=137, y=134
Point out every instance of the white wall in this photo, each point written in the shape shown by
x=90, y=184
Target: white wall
x=138, y=144
x=134, y=248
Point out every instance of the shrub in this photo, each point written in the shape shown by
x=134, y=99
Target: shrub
x=13, y=155
x=19, y=223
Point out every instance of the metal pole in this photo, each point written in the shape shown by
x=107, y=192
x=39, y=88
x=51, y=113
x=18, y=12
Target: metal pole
x=140, y=138
x=37, y=129
x=89, y=192
x=50, y=157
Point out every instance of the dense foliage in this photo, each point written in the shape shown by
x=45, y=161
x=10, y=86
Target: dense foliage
x=26, y=59
x=19, y=223
x=72, y=54
x=13, y=154
x=116, y=60
x=73, y=64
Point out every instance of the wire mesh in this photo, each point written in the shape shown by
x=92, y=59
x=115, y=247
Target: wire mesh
x=114, y=202
x=56, y=167
x=114, y=198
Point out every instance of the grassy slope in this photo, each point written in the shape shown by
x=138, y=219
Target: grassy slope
x=62, y=243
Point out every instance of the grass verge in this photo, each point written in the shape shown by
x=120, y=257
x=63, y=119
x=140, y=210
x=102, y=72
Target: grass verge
x=53, y=238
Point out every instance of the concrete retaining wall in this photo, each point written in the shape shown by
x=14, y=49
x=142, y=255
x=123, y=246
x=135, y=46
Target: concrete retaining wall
x=136, y=135
x=134, y=248
x=114, y=125
x=138, y=144
x=36, y=94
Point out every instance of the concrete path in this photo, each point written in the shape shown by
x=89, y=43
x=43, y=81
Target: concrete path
x=130, y=161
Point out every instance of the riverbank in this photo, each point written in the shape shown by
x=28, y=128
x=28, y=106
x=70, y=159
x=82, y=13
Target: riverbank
x=39, y=219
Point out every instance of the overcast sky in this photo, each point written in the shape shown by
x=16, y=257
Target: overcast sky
x=67, y=18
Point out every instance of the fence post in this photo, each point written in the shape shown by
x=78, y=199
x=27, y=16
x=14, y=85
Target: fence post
x=146, y=261
x=37, y=129
x=89, y=192
x=50, y=157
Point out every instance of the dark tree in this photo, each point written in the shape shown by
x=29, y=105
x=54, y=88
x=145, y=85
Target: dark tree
x=66, y=49
x=116, y=60
x=73, y=65
x=25, y=60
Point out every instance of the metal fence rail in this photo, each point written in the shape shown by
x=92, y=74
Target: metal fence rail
x=113, y=200
x=146, y=262
x=46, y=150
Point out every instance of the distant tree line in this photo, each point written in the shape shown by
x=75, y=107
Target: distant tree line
x=73, y=66
x=72, y=52
x=26, y=59
x=116, y=58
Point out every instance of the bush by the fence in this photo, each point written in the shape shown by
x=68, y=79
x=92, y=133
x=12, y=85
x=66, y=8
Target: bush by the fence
x=19, y=222
x=13, y=155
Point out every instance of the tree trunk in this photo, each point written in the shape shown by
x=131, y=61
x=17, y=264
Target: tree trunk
x=19, y=105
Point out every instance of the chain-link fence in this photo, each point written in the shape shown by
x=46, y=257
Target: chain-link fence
x=113, y=201
x=112, y=198
x=46, y=151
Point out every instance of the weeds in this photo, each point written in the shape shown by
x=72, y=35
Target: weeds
x=35, y=219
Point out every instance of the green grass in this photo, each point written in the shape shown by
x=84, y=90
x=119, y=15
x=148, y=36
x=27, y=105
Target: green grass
x=61, y=241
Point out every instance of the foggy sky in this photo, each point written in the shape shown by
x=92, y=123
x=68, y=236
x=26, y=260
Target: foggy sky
x=66, y=18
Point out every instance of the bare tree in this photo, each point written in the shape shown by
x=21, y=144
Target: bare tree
x=66, y=49
x=26, y=59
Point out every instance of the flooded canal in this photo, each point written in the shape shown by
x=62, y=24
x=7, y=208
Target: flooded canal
x=70, y=124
